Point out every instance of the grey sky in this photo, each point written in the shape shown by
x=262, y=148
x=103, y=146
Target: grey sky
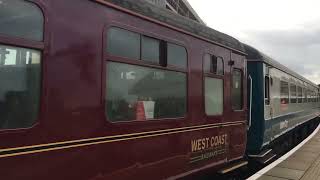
x=287, y=30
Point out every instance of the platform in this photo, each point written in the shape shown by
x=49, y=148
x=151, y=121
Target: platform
x=302, y=163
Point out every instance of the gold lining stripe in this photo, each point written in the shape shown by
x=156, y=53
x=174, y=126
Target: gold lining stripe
x=118, y=136
x=159, y=133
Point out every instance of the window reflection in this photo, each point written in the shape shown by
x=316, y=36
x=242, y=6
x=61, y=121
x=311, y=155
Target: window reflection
x=141, y=93
x=20, y=86
x=237, y=95
x=21, y=19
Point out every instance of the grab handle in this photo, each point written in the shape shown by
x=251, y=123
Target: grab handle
x=250, y=102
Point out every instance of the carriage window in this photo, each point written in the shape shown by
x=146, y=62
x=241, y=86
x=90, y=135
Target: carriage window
x=20, y=86
x=284, y=92
x=150, y=49
x=213, y=64
x=176, y=55
x=21, y=19
x=267, y=90
x=136, y=93
x=213, y=96
x=220, y=67
x=300, y=93
x=305, y=95
x=236, y=92
x=132, y=45
x=312, y=96
x=123, y=43
x=293, y=93
x=309, y=95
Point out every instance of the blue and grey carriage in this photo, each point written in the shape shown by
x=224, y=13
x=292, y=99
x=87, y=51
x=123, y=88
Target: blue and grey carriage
x=279, y=101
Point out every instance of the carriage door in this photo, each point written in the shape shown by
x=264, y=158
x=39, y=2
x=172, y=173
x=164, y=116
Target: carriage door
x=238, y=111
x=238, y=87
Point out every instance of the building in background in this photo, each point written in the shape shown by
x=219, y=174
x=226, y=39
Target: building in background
x=181, y=7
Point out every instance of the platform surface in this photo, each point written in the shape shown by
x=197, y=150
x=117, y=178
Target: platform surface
x=304, y=164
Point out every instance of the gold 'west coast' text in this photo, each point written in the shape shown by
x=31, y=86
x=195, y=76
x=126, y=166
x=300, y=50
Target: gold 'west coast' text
x=209, y=142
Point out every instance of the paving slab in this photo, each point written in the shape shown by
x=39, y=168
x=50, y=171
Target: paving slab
x=295, y=164
x=285, y=173
x=313, y=173
x=266, y=177
x=305, y=155
x=310, y=149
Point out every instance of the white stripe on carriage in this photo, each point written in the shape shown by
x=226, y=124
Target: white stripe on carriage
x=284, y=115
x=289, y=129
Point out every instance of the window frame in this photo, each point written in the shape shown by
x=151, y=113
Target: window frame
x=216, y=76
x=40, y=46
x=118, y=59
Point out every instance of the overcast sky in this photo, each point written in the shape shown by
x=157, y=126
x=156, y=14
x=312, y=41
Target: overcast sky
x=286, y=30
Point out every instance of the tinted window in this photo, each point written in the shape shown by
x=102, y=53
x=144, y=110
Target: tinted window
x=309, y=96
x=213, y=64
x=267, y=90
x=284, y=92
x=176, y=55
x=141, y=93
x=20, y=87
x=220, y=69
x=21, y=19
x=236, y=89
x=299, y=94
x=314, y=96
x=305, y=95
x=213, y=96
x=123, y=43
x=293, y=93
x=150, y=49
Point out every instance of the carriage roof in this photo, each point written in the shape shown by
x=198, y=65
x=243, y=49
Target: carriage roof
x=255, y=55
x=166, y=16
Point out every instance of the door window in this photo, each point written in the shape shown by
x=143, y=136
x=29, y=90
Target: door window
x=236, y=92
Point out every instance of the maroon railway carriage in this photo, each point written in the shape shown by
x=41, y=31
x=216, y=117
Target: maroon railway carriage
x=92, y=90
